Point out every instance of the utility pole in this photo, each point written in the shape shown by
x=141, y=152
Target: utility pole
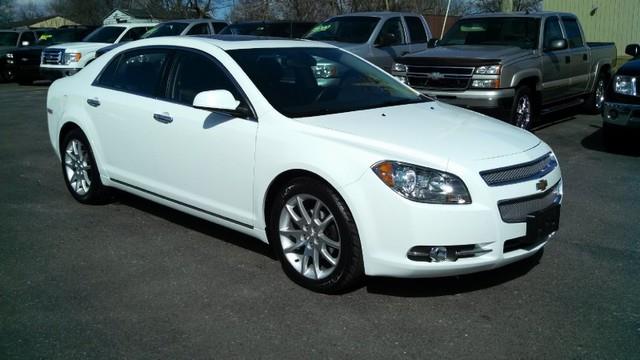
x=506, y=5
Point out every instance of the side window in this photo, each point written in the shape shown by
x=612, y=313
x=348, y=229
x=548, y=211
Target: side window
x=218, y=26
x=417, y=34
x=199, y=29
x=391, y=33
x=552, y=31
x=138, y=72
x=301, y=29
x=133, y=34
x=282, y=30
x=573, y=32
x=194, y=73
x=28, y=36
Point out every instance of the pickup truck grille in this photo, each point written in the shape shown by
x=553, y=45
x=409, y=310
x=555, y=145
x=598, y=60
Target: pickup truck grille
x=439, y=78
x=52, y=56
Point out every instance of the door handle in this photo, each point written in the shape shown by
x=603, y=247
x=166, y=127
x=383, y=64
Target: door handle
x=567, y=59
x=163, y=118
x=93, y=102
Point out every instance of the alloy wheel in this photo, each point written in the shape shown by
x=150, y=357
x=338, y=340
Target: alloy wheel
x=523, y=112
x=309, y=236
x=600, y=94
x=77, y=166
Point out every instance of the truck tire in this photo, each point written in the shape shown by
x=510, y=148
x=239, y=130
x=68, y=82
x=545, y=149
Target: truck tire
x=523, y=111
x=593, y=101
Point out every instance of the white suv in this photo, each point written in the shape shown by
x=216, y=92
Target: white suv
x=67, y=59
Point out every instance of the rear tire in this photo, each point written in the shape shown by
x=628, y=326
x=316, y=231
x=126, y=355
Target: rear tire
x=79, y=169
x=315, y=237
x=595, y=100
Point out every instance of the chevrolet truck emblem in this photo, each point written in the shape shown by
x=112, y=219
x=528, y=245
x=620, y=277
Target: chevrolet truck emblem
x=541, y=185
x=435, y=76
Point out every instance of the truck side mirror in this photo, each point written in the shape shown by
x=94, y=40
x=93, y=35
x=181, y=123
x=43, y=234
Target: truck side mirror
x=433, y=42
x=558, y=44
x=633, y=50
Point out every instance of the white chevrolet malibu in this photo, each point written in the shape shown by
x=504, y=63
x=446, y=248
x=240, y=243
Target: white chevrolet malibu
x=342, y=169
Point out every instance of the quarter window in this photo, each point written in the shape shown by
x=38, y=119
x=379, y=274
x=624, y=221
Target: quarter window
x=552, y=31
x=194, y=73
x=199, y=29
x=416, y=30
x=138, y=72
x=573, y=32
x=391, y=32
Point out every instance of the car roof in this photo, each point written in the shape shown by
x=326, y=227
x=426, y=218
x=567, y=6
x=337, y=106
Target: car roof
x=380, y=14
x=229, y=42
x=189, y=21
x=130, y=25
x=266, y=22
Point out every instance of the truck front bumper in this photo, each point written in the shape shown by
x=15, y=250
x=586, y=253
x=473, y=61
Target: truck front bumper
x=620, y=114
x=494, y=99
x=57, y=73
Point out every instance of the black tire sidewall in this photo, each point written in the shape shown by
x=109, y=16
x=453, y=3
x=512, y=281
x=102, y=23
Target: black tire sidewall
x=96, y=187
x=350, y=251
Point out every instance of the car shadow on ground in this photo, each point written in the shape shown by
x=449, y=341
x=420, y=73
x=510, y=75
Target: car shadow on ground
x=432, y=287
x=205, y=227
x=627, y=142
x=557, y=117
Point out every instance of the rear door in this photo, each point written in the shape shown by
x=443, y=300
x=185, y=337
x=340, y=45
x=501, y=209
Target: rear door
x=207, y=158
x=556, y=71
x=390, y=44
x=579, y=56
x=418, y=37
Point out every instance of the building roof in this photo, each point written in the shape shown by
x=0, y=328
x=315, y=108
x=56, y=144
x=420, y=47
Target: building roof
x=138, y=13
x=29, y=22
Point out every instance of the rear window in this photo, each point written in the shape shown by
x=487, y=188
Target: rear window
x=573, y=32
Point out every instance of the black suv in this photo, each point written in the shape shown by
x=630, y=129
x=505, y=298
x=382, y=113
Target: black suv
x=24, y=64
x=11, y=40
x=621, y=110
x=283, y=29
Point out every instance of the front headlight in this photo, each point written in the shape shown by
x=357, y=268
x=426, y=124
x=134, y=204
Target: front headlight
x=488, y=70
x=422, y=184
x=399, y=67
x=625, y=85
x=486, y=84
x=325, y=71
x=72, y=57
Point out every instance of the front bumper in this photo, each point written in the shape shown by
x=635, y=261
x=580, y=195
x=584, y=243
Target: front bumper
x=51, y=73
x=390, y=226
x=496, y=99
x=620, y=114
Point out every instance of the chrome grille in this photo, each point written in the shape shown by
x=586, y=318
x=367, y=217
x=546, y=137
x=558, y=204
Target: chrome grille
x=516, y=210
x=522, y=172
x=52, y=56
x=439, y=78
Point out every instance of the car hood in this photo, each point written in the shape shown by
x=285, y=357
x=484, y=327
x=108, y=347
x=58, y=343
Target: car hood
x=83, y=47
x=467, y=54
x=429, y=130
x=631, y=67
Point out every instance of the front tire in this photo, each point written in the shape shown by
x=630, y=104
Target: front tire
x=522, y=111
x=79, y=169
x=315, y=237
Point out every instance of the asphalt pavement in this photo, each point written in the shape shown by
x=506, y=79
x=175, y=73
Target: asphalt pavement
x=133, y=279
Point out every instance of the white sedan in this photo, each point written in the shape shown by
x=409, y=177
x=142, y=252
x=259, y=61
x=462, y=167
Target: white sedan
x=344, y=170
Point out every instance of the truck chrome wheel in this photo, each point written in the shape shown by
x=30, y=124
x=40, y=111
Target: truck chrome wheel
x=523, y=112
x=77, y=166
x=309, y=236
x=600, y=88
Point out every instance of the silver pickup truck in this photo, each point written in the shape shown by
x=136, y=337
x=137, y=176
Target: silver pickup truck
x=513, y=65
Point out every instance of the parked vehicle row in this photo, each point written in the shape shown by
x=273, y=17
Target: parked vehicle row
x=515, y=65
x=11, y=40
x=357, y=175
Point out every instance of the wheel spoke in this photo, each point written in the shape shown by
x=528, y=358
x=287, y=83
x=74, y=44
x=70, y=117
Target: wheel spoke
x=292, y=232
x=296, y=219
x=303, y=211
x=305, y=264
x=325, y=222
x=294, y=247
x=327, y=256
x=74, y=147
x=316, y=211
x=316, y=262
x=328, y=241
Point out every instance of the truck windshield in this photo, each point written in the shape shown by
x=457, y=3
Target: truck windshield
x=504, y=31
x=106, y=34
x=301, y=82
x=8, y=38
x=166, y=29
x=348, y=29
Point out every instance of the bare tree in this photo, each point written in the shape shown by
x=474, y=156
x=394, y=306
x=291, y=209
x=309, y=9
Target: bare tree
x=495, y=5
x=6, y=11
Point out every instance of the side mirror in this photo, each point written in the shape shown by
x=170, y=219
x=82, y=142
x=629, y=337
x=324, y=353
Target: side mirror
x=25, y=43
x=557, y=44
x=633, y=50
x=386, y=39
x=220, y=100
x=433, y=42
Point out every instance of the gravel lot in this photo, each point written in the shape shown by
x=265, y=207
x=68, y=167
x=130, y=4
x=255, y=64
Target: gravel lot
x=136, y=280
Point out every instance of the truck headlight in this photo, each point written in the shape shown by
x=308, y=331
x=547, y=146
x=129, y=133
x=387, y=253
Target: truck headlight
x=486, y=84
x=325, y=71
x=488, y=70
x=399, y=68
x=625, y=85
x=9, y=56
x=72, y=57
x=422, y=184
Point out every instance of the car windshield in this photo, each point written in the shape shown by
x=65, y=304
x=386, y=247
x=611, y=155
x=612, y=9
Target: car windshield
x=349, y=29
x=8, y=38
x=508, y=31
x=300, y=82
x=106, y=34
x=60, y=36
x=166, y=29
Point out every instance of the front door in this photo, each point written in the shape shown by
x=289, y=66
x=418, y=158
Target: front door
x=556, y=65
x=391, y=43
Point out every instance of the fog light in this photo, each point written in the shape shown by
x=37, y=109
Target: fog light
x=612, y=114
x=438, y=253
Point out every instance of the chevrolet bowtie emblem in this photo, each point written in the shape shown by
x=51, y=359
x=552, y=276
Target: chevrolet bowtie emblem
x=541, y=185
x=435, y=76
